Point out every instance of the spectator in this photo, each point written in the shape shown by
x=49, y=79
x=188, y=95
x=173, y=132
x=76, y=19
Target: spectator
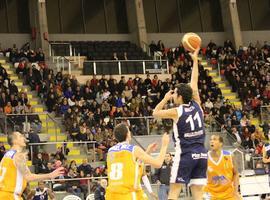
x=237, y=136
x=86, y=168
x=41, y=192
x=101, y=190
x=33, y=137
x=40, y=165
x=163, y=177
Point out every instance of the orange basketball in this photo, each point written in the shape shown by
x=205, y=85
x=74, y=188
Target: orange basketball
x=191, y=41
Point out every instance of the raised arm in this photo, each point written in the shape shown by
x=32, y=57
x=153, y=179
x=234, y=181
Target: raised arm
x=195, y=76
x=20, y=162
x=161, y=113
x=140, y=154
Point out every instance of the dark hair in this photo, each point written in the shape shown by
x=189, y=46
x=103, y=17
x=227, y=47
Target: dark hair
x=10, y=138
x=185, y=91
x=220, y=139
x=120, y=132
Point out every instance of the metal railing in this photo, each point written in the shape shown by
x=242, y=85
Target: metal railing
x=100, y=67
x=37, y=122
x=147, y=125
x=35, y=148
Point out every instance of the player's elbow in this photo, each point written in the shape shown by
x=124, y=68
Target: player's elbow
x=157, y=164
x=155, y=113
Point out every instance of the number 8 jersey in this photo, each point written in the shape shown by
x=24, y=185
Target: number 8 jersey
x=12, y=183
x=124, y=171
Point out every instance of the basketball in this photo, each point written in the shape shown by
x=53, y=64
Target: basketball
x=191, y=41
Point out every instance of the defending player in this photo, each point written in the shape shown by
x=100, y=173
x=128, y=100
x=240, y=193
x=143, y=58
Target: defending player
x=14, y=173
x=125, y=166
x=222, y=174
x=190, y=161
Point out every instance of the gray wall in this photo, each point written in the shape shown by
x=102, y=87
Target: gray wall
x=253, y=36
x=173, y=39
x=7, y=40
x=169, y=39
x=90, y=37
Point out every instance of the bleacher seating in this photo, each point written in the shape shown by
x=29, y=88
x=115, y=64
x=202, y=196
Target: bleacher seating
x=100, y=50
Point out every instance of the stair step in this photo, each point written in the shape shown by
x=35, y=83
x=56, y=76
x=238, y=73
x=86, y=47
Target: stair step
x=208, y=68
x=42, y=117
x=3, y=139
x=53, y=130
x=47, y=124
x=217, y=79
x=2, y=61
x=6, y=66
x=33, y=102
x=74, y=152
x=14, y=77
x=7, y=146
x=10, y=71
x=33, y=184
x=18, y=83
x=38, y=109
x=59, y=138
x=226, y=91
x=213, y=74
x=29, y=163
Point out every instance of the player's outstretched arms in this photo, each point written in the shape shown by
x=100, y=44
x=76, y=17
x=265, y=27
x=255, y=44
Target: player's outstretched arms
x=140, y=154
x=195, y=76
x=20, y=162
x=161, y=113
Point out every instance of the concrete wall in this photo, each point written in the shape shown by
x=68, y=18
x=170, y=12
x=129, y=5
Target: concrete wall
x=173, y=39
x=253, y=36
x=169, y=39
x=7, y=40
x=90, y=37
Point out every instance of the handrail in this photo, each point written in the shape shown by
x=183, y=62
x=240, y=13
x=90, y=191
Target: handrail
x=76, y=179
x=62, y=142
x=125, y=61
x=18, y=114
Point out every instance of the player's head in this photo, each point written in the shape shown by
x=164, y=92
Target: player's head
x=16, y=139
x=41, y=185
x=168, y=158
x=122, y=133
x=182, y=94
x=216, y=142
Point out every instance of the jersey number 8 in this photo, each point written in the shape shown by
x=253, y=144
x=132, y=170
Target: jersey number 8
x=116, y=171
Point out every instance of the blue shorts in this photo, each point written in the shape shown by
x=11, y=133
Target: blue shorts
x=189, y=168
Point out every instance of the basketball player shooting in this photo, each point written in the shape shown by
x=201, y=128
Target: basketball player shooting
x=190, y=160
x=14, y=173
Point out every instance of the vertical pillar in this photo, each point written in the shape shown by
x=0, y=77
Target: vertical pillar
x=43, y=27
x=231, y=21
x=136, y=21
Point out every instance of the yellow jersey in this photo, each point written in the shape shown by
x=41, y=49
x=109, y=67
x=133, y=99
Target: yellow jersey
x=124, y=172
x=12, y=183
x=220, y=177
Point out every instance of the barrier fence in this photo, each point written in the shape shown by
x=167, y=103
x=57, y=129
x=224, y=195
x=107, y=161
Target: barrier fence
x=75, y=150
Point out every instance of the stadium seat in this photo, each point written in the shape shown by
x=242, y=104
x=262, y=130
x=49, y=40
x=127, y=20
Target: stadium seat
x=91, y=197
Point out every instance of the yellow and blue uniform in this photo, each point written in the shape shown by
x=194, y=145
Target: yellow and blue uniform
x=12, y=183
x=220, y=177
x=124, y=174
